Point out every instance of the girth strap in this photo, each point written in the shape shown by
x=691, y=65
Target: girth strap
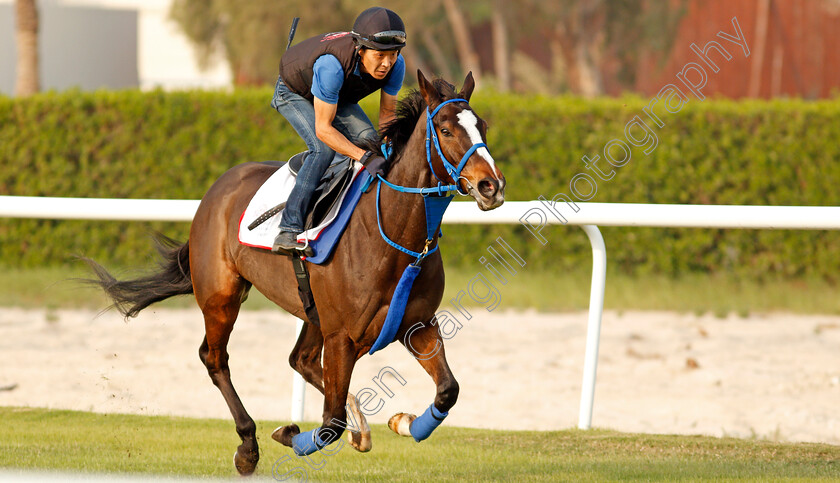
x=305, y=290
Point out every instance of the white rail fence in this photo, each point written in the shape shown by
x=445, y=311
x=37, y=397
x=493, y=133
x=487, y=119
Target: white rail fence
x=534, y=215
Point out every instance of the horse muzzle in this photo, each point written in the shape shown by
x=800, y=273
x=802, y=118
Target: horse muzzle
x=489, y=193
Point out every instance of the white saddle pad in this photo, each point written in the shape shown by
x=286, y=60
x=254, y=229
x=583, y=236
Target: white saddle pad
x=274, y=191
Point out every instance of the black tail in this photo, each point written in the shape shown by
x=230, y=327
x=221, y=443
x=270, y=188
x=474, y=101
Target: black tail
x=171, y=278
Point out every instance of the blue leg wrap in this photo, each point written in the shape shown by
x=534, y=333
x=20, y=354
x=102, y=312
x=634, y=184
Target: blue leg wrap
x=307, y=443
x=422, y=427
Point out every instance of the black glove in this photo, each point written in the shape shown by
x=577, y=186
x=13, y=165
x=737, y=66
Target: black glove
x=374, y=163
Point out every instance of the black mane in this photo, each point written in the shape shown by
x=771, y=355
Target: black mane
x=409, y=110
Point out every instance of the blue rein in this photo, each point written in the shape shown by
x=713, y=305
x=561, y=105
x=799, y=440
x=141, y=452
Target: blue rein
x=436, y=199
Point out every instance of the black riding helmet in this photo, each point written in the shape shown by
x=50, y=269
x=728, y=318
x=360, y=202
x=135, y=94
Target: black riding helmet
x=378, y=28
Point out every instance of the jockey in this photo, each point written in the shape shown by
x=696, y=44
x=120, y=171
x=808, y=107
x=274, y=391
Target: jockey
x=321, y=82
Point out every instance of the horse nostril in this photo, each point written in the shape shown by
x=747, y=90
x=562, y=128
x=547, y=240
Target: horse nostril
x=488, y=187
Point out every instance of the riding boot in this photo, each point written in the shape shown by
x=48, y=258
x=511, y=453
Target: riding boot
x=286, y=243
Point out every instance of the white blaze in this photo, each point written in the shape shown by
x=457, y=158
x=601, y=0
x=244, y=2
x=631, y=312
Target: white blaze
x=469, y=122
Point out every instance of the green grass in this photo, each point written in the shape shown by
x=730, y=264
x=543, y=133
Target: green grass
x=86, y=442
x=529, y=289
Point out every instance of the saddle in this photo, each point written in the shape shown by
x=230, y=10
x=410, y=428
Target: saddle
x=337, y=177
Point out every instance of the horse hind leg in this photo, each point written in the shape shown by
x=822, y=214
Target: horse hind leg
x=305, y=359
x=426, y=345
x=220, y=312
x=339, y=360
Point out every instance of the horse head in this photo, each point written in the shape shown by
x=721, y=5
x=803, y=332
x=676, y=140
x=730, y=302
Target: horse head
x=456, y=143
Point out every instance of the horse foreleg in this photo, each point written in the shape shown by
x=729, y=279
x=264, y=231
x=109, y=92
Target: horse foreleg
x=358, y=435
x=426, y=345
x=339, y=360
x=214, y=355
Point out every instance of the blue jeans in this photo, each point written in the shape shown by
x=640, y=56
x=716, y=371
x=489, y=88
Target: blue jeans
x=350, y=120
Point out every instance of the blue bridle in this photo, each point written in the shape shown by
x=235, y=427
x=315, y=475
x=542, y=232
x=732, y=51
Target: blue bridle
x=454, y=172
x=435, y=199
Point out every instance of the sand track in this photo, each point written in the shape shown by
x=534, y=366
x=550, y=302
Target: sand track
x=774, y=376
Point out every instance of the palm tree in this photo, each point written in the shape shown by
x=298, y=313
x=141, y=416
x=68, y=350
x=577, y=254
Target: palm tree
x=27, y=80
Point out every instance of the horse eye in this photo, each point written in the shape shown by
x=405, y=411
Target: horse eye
x=445, y=131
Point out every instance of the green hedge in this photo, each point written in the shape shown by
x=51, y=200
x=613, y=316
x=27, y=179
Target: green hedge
x=174, y=145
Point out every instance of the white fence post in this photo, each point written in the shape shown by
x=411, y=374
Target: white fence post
x=593, y=330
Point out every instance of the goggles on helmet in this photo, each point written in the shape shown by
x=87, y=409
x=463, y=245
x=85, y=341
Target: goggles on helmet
x=389, y=37
x=380, y=40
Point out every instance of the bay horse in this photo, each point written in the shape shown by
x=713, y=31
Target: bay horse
x=353, y=289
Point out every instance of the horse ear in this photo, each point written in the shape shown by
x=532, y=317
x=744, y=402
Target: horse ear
x=428, y=91
x=469, y=85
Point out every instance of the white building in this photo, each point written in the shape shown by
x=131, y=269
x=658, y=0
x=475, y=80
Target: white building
x=111, y=44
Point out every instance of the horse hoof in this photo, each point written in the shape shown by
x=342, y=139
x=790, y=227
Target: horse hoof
x=400, y=423
x=360, y=440
x=284, y=434
x=245, y=462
